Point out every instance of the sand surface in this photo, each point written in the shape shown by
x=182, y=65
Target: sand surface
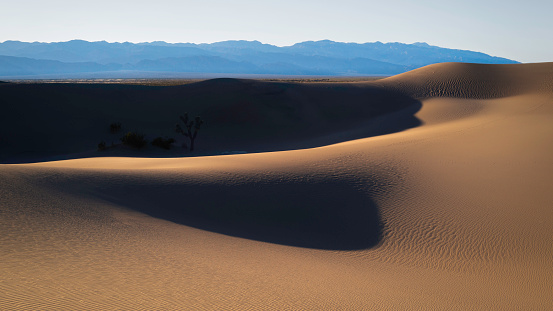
x=453, y=214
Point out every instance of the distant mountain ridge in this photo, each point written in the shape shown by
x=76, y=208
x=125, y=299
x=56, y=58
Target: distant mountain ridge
x=232, y=57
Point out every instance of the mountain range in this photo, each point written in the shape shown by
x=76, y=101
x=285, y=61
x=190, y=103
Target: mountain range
x=78, y=58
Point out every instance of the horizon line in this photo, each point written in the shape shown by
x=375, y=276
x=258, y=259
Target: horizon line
x=229, y=40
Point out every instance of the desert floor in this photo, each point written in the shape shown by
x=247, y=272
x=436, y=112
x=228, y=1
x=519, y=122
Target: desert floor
x=450, y=209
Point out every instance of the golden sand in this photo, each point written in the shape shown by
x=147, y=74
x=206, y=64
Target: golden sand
x=455, y=214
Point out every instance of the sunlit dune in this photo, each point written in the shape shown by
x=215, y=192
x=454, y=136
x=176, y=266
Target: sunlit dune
x=428, y=190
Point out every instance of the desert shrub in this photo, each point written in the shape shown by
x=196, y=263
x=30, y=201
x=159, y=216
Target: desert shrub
x=102, y=146
x=164, y=143
x=115, y=127
x=134, y=140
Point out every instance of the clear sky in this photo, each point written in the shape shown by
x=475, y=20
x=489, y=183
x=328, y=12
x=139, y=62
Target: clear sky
x=516, y=29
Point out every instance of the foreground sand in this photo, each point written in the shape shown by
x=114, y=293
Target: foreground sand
x=459, y=210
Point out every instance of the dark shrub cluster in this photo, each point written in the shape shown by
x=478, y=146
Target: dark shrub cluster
x=164, y=143
x=134, y=140
x=138, y=141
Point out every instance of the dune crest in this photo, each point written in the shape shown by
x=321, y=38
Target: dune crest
x=478, y=81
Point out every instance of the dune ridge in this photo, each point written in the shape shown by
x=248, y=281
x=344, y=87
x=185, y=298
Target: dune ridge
x=460, y=210
x=477, y=81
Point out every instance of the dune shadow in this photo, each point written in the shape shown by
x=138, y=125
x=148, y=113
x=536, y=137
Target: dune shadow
x=321, y=215
x=49, y=122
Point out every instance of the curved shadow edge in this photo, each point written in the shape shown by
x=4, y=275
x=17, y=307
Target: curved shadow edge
x=322, y=215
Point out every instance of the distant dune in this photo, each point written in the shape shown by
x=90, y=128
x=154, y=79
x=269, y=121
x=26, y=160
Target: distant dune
x=480, y=81
x=426, y=190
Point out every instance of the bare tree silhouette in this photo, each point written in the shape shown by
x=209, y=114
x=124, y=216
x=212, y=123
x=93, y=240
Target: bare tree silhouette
x=190, y=130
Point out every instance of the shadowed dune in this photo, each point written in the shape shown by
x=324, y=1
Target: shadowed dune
x=316, y=212
x=59, y=121
x=452, y=214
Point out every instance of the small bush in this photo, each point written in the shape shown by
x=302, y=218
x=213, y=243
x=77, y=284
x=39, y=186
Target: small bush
x=164, y=143
x=115, y=127
x=134, y=140
x=102, y=146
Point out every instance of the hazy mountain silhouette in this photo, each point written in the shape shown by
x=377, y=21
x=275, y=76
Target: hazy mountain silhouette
x=414, y=55
x=237, y=57
x=16, y=66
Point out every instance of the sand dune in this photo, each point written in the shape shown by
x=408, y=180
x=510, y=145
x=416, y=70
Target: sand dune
x=63, y=121
x=482, y=81
x=453, y=214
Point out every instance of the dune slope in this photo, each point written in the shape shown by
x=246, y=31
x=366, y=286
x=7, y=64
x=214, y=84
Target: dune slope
x=453, y=214
x=63, y=121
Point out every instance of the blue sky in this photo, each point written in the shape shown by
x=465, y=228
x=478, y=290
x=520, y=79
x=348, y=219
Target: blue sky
x=520, y=30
